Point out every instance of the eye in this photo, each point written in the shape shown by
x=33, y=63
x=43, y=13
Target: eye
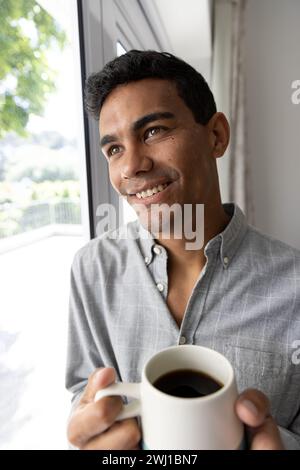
x=113, y=150
x=152, y=131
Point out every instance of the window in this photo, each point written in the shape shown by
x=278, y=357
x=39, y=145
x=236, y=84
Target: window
x=120, y=49
x=41, y=191
x=126, y=27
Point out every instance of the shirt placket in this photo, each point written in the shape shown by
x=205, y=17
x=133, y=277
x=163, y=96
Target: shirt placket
x=159, y=269
x=196, y=304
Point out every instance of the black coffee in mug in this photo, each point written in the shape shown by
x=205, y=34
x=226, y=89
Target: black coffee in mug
x=187, y=383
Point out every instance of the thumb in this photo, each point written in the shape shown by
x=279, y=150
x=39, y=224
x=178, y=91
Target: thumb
x=253, y=408
x=99, y=379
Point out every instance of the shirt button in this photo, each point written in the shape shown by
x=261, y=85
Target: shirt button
x=157, y=250
x=160, y=287
x=147, y=260
x=225, y=259
x=182, y=340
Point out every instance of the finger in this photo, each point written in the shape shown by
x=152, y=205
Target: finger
x=92, y=419
x=266, y=436
x=252, y=407
x=99, y=379
x=123, y=435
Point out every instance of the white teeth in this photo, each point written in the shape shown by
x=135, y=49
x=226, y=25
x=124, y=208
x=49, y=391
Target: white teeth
x=150, y=192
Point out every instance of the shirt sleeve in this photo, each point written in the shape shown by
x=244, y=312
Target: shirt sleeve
x=82, y=354
x=291, y=437
x=290, y=440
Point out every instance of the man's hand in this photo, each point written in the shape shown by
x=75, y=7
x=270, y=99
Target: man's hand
x=92, y=425
x=253, y=408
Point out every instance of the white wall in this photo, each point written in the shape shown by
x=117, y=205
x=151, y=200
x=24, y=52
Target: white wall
x=188, y=28
x=272, y=64
x=221, y=80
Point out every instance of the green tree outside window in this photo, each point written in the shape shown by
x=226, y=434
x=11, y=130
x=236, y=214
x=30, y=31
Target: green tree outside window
x=25, y=76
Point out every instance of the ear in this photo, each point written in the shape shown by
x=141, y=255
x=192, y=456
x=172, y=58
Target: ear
x=219, y=134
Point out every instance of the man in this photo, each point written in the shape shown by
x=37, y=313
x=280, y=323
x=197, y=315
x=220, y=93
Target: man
x=131, y=297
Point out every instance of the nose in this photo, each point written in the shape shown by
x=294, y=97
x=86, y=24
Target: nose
x=135, y=161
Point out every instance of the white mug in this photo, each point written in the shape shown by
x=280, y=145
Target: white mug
x=176, y=423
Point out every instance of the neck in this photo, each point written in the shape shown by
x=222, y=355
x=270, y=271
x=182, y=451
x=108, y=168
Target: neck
x=215, y=221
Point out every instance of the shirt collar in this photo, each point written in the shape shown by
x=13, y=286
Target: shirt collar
x=146, y=241
x=227, y=242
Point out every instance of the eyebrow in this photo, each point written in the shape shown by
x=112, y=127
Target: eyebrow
x=139, y=124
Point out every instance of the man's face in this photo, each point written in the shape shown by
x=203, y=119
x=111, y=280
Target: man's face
x=151, y=140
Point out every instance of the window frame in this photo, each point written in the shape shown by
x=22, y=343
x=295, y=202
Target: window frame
x=101, y=24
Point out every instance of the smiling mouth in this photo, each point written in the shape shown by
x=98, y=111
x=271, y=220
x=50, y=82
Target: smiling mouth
x=149, y=192
x=150, y=195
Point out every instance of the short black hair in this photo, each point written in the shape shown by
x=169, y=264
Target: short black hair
x=138, y=65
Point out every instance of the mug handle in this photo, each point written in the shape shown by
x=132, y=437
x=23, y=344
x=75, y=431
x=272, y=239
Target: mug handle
x=126, y=389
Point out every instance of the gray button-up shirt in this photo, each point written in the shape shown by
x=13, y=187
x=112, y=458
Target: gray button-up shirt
x=245, y=304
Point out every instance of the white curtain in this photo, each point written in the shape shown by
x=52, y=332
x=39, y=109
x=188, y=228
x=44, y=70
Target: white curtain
x=228, y=83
